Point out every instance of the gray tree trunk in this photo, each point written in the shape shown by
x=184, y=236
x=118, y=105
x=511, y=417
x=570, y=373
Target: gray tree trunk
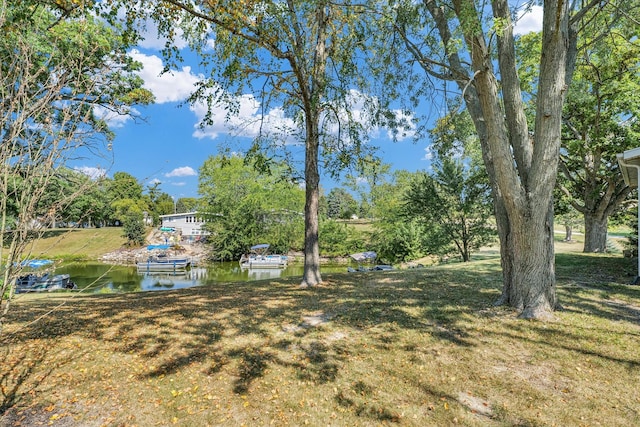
x=595, y=233
x=522, y=171
x=313, y=96
x=311, y=275
x=568, y=233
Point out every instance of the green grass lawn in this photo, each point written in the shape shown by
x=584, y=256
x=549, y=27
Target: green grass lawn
x=83, y=243
x=422, y=347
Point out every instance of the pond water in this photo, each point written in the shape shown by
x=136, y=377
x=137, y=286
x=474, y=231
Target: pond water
x=104, y=278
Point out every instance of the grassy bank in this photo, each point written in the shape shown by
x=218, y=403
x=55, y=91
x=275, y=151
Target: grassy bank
x=82, y=243
x=408, y=348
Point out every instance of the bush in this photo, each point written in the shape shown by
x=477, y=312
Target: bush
x=133, y=229
x=403, y=241
x=338, y=239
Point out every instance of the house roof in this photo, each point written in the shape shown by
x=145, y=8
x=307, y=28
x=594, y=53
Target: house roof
x=629, y=163
x=179, y=214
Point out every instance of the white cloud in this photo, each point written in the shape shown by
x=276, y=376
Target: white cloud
x=92, y=172
x=248, y=122
x=356, y=104
x=182, y=171
x=173, y=86
x=407, y=128
x=210, y=44
x=152, y=40
x=113, y=119
x=528, y=20
x=428, y=153
x=154, y=181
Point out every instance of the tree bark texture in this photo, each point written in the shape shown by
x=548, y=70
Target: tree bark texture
x=595, y=233
x=568, y=233
x=311, y=275
x=599, y=201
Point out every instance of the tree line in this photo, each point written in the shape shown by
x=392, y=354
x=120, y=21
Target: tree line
x=72, y=199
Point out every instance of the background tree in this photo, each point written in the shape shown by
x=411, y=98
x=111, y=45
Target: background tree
x=124, y=208
x=125, y=195
x=306, y=57
x=244, y=207
x=165, y=204
x=372, y=172
x=124, y=186
x=152, y=196
x=455, y=206
x=466, y=46
x=56, y=68
x=341, y=204
x=396, y=237
x=565, y=214
x=84, y=199
x=59, y=188
x=186, y=204
x=159, y=202
x=97, y=210
x=600, y=119
x=631, y=244
x=337, y=239
x=133, y=228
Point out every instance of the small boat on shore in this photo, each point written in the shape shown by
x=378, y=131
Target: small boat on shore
x=162, y=261
x=164, y=264
x=260, y=258
x=367, y=258
x=45, y=283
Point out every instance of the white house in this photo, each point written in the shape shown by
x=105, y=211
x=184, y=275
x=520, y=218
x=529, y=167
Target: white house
x=188, y=225
x=629, y=163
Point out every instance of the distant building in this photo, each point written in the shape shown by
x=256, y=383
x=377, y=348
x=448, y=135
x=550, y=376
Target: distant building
x=188, y=225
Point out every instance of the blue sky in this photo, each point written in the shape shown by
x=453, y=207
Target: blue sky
x=168, y=147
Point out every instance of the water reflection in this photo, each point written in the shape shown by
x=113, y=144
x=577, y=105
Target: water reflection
x=105, y=278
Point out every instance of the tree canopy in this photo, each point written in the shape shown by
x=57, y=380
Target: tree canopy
x=601, y=119
x=58, y=71
x=454, y=201
x=244, y=207
x=341, y=204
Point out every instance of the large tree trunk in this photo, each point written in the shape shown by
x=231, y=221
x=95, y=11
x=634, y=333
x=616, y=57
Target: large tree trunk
x=311, y=275
x=532, y=290
x=522, y=172
x=313, y=96
x=595, y=233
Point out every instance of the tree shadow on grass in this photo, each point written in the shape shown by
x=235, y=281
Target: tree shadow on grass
x=13, y=379
x=22, y=372
x=594, y=269
x=246, y=328
x=252, y=363
x=216, y=326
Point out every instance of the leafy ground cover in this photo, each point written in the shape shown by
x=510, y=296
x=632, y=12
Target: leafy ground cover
x=409, y=348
